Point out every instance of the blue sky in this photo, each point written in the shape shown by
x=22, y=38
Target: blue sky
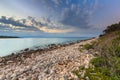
x=57, y=18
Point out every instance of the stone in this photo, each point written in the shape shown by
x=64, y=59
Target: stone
x=2, y=77
x=1, y=59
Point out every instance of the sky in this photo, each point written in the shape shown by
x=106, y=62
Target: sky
x=57, y=18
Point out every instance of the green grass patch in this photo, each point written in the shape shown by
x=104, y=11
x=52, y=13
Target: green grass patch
x=88, y=46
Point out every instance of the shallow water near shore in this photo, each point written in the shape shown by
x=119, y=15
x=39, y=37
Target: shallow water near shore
x=8, y=46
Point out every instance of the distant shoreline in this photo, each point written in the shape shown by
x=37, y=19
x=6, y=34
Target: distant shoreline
x=8, y=37
x=39, y=37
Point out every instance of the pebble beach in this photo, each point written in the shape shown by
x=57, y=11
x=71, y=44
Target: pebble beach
x=55, y=63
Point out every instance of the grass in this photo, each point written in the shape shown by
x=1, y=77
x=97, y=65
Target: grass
x=109, y=57
x=106, y=65
x=87, y=46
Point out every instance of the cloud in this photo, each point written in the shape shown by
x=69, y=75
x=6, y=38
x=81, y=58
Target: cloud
x=12, y=21
x=68, y=16
x=72, y=13
x=10, y=27
x=74, y=18
x=56, y=1
x=45, y=29
x=67, y=2
x=12, y=24
x=78, y=15
x=31, y=24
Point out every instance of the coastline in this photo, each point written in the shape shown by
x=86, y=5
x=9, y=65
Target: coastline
x=26, y=52
x=71, y=55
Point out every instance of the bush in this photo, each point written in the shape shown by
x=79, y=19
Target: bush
x=112, y=28
x=99, y=62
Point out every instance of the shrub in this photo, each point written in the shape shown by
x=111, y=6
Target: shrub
x=99, y=62
x=112, y=28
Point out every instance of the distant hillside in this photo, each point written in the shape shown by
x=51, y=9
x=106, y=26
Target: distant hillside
x=9, y=37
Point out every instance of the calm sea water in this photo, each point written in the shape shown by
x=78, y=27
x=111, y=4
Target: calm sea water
x=8, y=46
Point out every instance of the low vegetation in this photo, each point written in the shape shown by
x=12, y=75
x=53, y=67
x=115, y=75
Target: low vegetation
x=87, y=46
x=106, y=65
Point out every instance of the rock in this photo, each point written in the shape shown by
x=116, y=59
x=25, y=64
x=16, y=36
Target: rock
x=13, y=54
x=27, y=49
x=83, y=74
x=13, y=75
x=2, y=77
x=1, y=59
x=47, y=71
x=87, y=78
x=14, y=78
x=9, y=62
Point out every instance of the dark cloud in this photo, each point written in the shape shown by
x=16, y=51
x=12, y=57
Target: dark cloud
x=72, y=13
x=78, y=16
x=12, y=21
x=11, y=24
x=75, y=18
x=31, y=24
x=62, y=15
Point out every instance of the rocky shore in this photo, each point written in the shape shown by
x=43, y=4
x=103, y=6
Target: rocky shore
x=56, y=62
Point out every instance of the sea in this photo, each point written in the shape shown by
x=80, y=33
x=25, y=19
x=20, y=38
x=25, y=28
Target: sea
x=14, y=45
